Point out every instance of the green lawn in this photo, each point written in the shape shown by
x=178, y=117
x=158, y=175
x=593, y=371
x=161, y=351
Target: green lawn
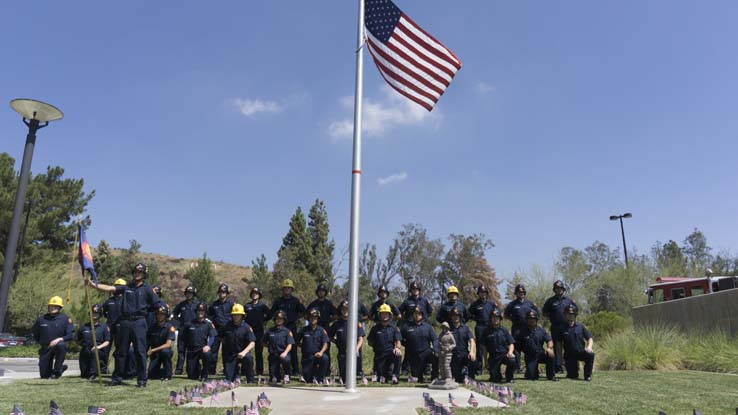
x=624, y=392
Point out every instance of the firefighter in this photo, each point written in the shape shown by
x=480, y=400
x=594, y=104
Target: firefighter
x=500, y=347
x=314, y=341
x=578, y=343
x=280, y=341
x=238, y=340
x=88, y=348
x=257, y=313
x=151, y=316
x=52, y=331
x=516, y=311
x=199, y=341
x=338, y=334
x=382, y=294
x=414, y=300
x=465, y=354
x=220, y=314
x=328, y=314
x=111, y=312
x=554, y=308
x=453, y=302
x=480, y=311
x=293, y=311
x=421, y=346
x=184, y=314
x=161, y=336
x=537, y=346
x=385, y=339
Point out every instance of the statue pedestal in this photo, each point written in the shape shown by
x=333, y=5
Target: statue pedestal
x=443, y=384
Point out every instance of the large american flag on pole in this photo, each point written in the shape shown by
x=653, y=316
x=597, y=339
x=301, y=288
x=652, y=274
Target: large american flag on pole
x=413, y=62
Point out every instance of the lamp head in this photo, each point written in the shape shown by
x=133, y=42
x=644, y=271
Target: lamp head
x=32, y=109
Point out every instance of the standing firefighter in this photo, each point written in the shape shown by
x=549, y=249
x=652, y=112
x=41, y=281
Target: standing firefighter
x=280, y=341
x=538, y=348
x=481, y=311
x=184, y=314
x=220, y=315
x=52, y=331
x=238, y=340
x=257, y=313
x=577, y=346
x=314, y=342
x=382, y=294
x=385, y=339
x=111, y=311
x=328, y=314
x=161, y=337
x=200, y=336
x=453, y=302
x=88, y=348
x=413, y=301
x=465, y=353
x=138, y=298
x=339, y=335
x=516, y=311
x=554, y=308
x=500, y=346
x=293, y=311
x=421, y=346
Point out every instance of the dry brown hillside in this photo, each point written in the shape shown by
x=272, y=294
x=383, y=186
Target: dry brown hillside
x=172, y=271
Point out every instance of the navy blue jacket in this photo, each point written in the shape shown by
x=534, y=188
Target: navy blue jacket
x=84, y=335
x=185, y=312
x=256, y=315
x=277, y=339
x=408, y=306
x=339, y=334
x=533, y=340
x=328, y=311
x=236, y=338
x=136, y=301
x=49, y=327
x=418, y=338
x=481, y=310
x=497, y=340
x=383, y=338
x=516, y=311
x=159, y=334
x=312, y=340
x=444, y=312
x=554, y=308
x=462, y=336
x=220, y=312
x=292, y=306
x=111, y=310
x=575, y=338
x=199, y=334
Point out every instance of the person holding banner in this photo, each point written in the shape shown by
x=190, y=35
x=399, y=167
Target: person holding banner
x=88, y=348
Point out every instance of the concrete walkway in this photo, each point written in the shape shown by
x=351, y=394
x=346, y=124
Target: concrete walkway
x=327, y=400
x=27, y=368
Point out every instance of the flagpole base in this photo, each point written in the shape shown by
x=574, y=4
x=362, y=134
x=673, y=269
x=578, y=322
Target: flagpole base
x=350, y=390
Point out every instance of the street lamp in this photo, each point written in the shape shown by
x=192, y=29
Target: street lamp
x=622, y=231
x=34, y=113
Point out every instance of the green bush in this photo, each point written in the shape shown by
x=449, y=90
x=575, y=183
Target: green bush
x=715, y=351
x=645, y=348
x=605, y=323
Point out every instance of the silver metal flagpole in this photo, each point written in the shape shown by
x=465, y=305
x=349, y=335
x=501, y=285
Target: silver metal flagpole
x=353, y=320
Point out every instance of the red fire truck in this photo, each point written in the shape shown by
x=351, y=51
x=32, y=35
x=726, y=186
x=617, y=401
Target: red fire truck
x=674, y=288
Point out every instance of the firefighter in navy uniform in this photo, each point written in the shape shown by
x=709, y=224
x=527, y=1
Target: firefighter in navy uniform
x=87, y=362
x=516, y=311
x=554, y=308
x=279, y=340
x=578, y=344
x=138, y=298
x=151, y=316
x=200, y=336
x=328, y=314
x=382, y=294
x=220, y=314
x=52, y=331
x=313, y=340
x=537, y=346
x=161, y=337
x=453, y=302
x=500, y=347
x=111, y=312
x=385, y=339
x=257, y=313
x=421, y=346
x=338, y=334
x=414, y=300
x=293, y=311
x=480, y=311
x=184, y=314
x=465, y=353
x=238, y=340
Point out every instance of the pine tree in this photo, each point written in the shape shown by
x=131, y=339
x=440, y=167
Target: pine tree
x=322, y=249
x=297, y=241
x=202, y=277
x=510, y=291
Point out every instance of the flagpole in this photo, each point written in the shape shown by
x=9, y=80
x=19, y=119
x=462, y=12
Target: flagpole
x=75, y=255
x=92, y=329
x=353, y=321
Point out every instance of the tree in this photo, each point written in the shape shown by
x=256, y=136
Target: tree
x=697, y=252
x=465, y=266
x=573, y=267
x=516, y=279
x=600, y=257
x=105, y=263
x=56, y=203
x=669, y=259
x=420, y=258
x=260, y=275
x=321, y=247
x=202, y=277
x=297, y=240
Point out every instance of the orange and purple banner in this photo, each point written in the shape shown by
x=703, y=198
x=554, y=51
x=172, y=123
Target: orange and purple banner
x=85, y=255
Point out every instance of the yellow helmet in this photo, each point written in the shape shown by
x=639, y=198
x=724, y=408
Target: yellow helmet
x=288, y=283
x=384, y=308
x=452, y=290
x=120, y=281
x=56, y=300
x=238, y=309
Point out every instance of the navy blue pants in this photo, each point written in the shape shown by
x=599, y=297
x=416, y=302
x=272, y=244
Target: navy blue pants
x=181, y=351
x=131, y=332
x=198, y=363
x=556, y=331
x=532, y=360
x=160, y=366
x=259, y=351
x=572, y=364
x=342, y=365
x=461, y=366
x=314, y=368
x=279, y=367
x=419, y=361
x=387, y=364
x=494, y=361
x=87, y=363
x=293, y=353
x=481, y=351
x=51, y=360
x=233, y=367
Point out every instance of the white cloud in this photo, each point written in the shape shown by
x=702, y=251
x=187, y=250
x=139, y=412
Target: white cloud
x=251, y=107
x=394, y=178
x=383, y=115
x=485, y=88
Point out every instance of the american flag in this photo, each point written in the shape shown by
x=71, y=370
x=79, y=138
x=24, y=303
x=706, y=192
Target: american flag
x=502, y=397
x=412, y=61
x=95, y=410
x=172, y=397
x=263, y=401
x=54, y=409
x=196, y=397
x=16, y=410
x=214, y=397
x=178, y=398
x=234, y=401
x=452, y=401
x=473, y=401
x=250, y=410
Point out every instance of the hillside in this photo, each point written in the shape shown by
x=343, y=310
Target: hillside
x=172, y=271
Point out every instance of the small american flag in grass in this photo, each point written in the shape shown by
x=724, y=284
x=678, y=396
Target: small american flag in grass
x=473, y=401
x=95, y=410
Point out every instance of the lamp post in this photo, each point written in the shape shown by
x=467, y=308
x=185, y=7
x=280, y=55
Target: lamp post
x=34, y=113
x=622, y=231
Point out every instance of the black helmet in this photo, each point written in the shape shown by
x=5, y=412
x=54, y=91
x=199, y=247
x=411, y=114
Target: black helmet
x=382, y=288
x=280, y=314
x=190, y=289
x=532, y=315
x=454, y=311
x=96, y=309
x=255, y=290
x=224, y=287
x=343, y=304
x=163, y=308
x=140, y=267
x=571, y=309
x=157, y=290
x=414, y=286
x=495, y=313
x=417, y=309
x=319, y=288
x=559, y=284
x=482, y=289
x=202, y=307
x=314, y=312
x=520, y=287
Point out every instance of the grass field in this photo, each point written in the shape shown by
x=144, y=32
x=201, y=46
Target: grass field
x=616, y=392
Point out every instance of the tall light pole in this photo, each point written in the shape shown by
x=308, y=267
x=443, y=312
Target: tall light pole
x=34, y=113
x=622, y=231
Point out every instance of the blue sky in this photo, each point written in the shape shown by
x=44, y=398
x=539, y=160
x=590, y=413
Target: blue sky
x=203, y=125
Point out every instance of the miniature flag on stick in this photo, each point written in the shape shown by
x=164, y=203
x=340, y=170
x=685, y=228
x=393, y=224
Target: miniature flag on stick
x=54, y=409
x=95, y=410
x=473, y=401
x=452, y=401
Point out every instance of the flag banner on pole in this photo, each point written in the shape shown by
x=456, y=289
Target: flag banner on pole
x=85, y=255
x=412, y=61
